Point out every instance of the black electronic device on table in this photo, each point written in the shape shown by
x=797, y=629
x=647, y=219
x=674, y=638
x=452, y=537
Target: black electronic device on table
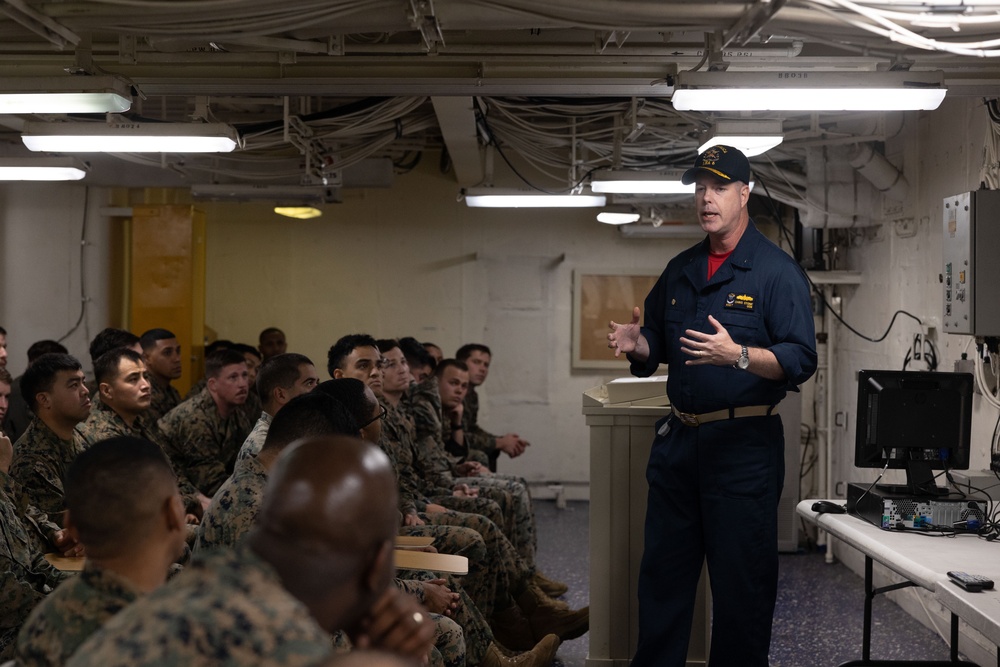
x=917, y=421
x=971, y=582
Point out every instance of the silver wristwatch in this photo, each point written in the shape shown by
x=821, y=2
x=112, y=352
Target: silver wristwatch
x=744, y=361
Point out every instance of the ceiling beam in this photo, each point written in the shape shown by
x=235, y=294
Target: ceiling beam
x=457, y=120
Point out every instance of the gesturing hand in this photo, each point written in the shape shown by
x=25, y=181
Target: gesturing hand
x=717, y=349
x=624, y=337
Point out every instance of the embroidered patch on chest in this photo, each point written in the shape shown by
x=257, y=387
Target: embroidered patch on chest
x=740, y=301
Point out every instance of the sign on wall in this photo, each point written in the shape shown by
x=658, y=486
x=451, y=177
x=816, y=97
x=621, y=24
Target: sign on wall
x=600, y=296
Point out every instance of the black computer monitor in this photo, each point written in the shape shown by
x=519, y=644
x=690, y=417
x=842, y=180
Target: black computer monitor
x=916, y=421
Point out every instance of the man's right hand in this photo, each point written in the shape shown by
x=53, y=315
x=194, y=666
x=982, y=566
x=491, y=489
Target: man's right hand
x=628, y=338
x=412, y=520
x=433, y=508
x=398, y=623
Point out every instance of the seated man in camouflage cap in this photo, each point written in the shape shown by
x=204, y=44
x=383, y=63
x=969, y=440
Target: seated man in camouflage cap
x=318, y=559
x=123, y=505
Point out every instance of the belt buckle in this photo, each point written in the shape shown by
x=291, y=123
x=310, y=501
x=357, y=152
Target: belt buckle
x=687, y=418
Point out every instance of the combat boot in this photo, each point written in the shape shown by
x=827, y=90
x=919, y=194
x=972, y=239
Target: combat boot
x=541, y=655
x=550, y=587
x=545, y=618
x=544, y=599
x=512, y=629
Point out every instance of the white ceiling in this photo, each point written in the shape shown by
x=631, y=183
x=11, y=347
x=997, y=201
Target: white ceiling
x=561, y=87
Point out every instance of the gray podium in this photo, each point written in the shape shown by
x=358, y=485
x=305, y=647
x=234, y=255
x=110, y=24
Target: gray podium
x=620, y=440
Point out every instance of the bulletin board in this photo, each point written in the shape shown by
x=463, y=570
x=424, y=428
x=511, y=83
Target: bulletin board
x=600, y=296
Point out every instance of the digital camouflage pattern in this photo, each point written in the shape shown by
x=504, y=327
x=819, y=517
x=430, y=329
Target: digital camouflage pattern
x=475, y=629
x=432, y=430
x=476, y=437
x=234, y=507
x=71, y=614
x=203, y=444
x=228, y=609
x=397, y=443
x=164, y=398
x=25, y=576
x=449, y=642
x=41, y=461
x=104, y=423
x=255, y=441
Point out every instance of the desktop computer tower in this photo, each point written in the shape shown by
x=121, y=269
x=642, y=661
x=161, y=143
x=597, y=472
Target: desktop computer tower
x=903, y=511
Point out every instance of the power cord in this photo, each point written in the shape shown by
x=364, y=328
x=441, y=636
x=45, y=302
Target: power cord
x=817, y=290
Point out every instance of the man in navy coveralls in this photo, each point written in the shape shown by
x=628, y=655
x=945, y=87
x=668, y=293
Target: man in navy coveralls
x=732, y=319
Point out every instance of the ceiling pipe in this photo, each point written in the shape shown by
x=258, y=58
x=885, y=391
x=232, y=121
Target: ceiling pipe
x=883, y=174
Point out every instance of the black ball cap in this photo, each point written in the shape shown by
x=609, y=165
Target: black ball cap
x=723, y=162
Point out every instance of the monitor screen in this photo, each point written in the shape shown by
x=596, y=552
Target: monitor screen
x=916, y=421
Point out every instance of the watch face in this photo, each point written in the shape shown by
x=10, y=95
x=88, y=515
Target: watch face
x=743, y=363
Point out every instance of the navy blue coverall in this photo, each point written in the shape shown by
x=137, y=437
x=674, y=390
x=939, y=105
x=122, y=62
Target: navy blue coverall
x=714, y=488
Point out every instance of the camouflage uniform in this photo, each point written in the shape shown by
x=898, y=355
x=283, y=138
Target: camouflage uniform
x=41, y=461
x=421, y=486
x=234, y=507
x=25, y=576
x=255, y=441
x=196, y=388
x=490, y=579
x=73, y=612
x=477, y=633
x=476, y=437
x=228, y=609
x=202, y=443
x=18, y=413
x=164, y=399
x=449, y=642
x=433, y=430
x=232, y=514
x=104, y=423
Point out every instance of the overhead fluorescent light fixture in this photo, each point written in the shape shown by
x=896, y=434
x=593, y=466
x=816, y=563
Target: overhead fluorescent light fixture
x=64, y=94
x=522, y=198
x=752, y=137
x=808, y=91
x=42, y=169
x=122, y=136
x=640, y=182
x=618, y=215
x=298, y=212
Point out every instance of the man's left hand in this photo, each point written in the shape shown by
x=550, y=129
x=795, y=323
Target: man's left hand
x=716, y=349
x=513, y=444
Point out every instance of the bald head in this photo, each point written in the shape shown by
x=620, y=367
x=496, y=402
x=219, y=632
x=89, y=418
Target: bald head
x=366, y=659
x=327, y=525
